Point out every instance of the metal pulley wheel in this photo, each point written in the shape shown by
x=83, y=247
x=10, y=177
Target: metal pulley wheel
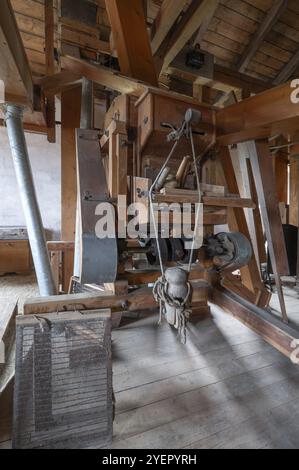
x=177, y=252
x=229, y=250
x=152, y=254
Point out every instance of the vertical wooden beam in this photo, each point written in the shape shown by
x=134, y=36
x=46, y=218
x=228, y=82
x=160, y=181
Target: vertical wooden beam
x=50, y=68
x=294, y=195
x=281, y=176
x=263, y=174
x=294, y=191
x=260, y=240
x=122, y=163
x=131, y=40
x=70, y=120
x=112, y=171
x=250, y=274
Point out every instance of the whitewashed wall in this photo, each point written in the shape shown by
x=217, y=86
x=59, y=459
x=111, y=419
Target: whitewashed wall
x=45, y=163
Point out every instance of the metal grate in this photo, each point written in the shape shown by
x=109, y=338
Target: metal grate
x=63, y=382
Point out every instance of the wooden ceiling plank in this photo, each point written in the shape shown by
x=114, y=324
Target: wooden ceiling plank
x=14, y=67
x=167, y=16
x=131, y=40
x=258, y=37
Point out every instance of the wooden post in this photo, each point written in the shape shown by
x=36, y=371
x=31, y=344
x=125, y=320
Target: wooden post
x=294, y=196
x=131, y=40
x=263, y=174
x=70, y=120
x=258, y=227
x=250, y=274
x=50, y=68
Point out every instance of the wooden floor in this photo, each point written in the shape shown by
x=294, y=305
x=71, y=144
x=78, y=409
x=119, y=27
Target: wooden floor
x=225, y=388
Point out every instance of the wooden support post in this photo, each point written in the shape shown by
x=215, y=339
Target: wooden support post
x=122, y=163
x=250, y=274
x=118, y=158
x=112, y=171
x=258, y=226
x=131, y=40
x=281, y=176
x=50, y=68
x=294, y=191
x=263, y=174
x=70, y=120
x=294, y=196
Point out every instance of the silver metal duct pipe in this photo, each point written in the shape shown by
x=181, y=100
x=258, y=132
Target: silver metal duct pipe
x=13, y=118
x=86, y=122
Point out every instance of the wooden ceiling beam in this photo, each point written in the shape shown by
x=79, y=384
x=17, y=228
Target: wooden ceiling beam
x=131, y=40
x=257, y=38
x=205, y=24
x=189, y=24
x=166, y=18
x=59, y=82
x=258, y=117
x=288, y=70
x=14, y=66
x=102, y=76
x=224, y=79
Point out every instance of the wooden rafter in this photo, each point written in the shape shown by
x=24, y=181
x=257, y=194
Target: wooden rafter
x=14, y=67
x=271, y=18
x=205, y=24
x=165, y=19
x=288, y=70
x=103, y=76
x=189, y=24
x=131, y=40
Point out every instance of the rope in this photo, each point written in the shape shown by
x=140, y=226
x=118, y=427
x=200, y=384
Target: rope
x=160, y=292
x=160, y=289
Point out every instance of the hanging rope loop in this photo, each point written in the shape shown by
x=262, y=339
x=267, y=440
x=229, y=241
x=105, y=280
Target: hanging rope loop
x=176, y=308
x=179, y=307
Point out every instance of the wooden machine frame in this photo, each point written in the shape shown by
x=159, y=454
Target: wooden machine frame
x=133, y=119
x=132, y=132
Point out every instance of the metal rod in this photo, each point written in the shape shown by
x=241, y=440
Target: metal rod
x=37, y=239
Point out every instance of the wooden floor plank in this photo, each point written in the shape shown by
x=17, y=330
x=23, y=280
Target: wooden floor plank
x=226, y=388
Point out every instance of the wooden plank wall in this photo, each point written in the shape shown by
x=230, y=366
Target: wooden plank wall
x=232, y=28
